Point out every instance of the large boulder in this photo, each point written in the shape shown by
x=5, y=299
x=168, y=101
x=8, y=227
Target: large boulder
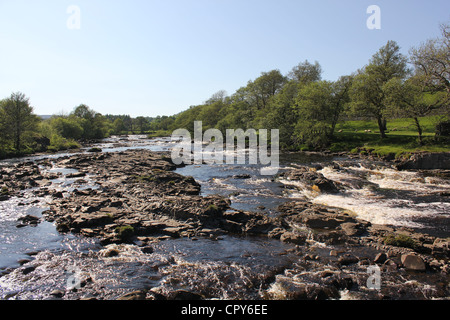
x=413, y=262
x=238, y=221
x=293, y=237
x=88, y=220
x=315, y=216
x=311, y=178
x=426, y=161
x=441, y=247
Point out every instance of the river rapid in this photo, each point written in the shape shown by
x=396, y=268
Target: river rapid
x=38, y=262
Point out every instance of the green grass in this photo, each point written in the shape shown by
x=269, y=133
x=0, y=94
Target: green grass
x=159, y=133
x=404, y=126
x=402, y=137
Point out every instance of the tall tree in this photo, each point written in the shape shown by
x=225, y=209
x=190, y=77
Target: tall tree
x=318, y=107
x=265, y=87
x=306, y=72
x=367, y=91
x=5, y=135
x=118, y=126
x=93, y=123
x=406, y=99
x=281, y=113
x=18, y=118
x=142, y=124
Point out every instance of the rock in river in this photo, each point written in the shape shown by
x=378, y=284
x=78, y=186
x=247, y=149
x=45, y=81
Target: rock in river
x=413, y=262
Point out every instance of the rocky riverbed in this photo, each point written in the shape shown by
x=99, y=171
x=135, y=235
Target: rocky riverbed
x=135, y=198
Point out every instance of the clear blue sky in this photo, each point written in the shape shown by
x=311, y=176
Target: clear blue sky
x=158, y=57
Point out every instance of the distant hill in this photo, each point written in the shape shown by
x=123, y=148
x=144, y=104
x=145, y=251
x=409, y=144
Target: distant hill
x=45, y=117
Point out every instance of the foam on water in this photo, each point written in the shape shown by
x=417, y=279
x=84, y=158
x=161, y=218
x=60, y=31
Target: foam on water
x=382, y=195
x=230, y=268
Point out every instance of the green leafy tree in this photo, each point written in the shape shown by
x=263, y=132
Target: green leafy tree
x=18, y=119
x=141, y=124
x=406, y=99
x=209, y=114
x=95, y=125
x=5, y=135
x=306, y=72
x=259, y=92
x=118, y=126
x=367, y=91
x=318, y=107
x=67, y=127
x=281, y=114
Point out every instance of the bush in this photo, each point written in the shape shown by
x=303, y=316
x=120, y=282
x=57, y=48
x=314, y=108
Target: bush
x=125, y=232
x=58, y=143
x=400, y=240
x=68, y=128
x=4, y=191
x=212, y=208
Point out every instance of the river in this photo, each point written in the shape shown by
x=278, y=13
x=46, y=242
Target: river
x=39, y=263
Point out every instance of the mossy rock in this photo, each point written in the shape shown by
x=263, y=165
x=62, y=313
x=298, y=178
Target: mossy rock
x=125, y=232
x=400, y=240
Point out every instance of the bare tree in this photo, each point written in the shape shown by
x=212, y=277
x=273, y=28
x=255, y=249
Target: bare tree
x=432, y=62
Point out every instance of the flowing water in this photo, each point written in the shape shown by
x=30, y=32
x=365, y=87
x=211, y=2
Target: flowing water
x=383, y=195
x=37, y=260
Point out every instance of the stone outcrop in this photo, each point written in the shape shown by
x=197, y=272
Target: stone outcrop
x=323, y=218
x=413, y=262
x=141, y=198
x=426, y=161
x=311, y=178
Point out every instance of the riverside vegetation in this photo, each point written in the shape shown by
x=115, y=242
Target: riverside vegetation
x=139, y=200
x=394, y=104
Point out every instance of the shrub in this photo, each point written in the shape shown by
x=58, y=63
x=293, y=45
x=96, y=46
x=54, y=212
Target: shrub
x=58, y=143
x=4, y=191
x=125, y=232
x=212, y=208
x=400, y=240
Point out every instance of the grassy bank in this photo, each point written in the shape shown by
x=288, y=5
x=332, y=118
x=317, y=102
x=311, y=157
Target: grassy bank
x=402, y=137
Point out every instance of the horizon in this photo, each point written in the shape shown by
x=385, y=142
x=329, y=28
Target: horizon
x=159, y=58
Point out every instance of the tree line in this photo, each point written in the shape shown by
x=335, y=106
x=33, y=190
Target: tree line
x=23, y=132
x=305, y=108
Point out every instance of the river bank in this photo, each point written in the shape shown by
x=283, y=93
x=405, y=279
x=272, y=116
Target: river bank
x=133, y=203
